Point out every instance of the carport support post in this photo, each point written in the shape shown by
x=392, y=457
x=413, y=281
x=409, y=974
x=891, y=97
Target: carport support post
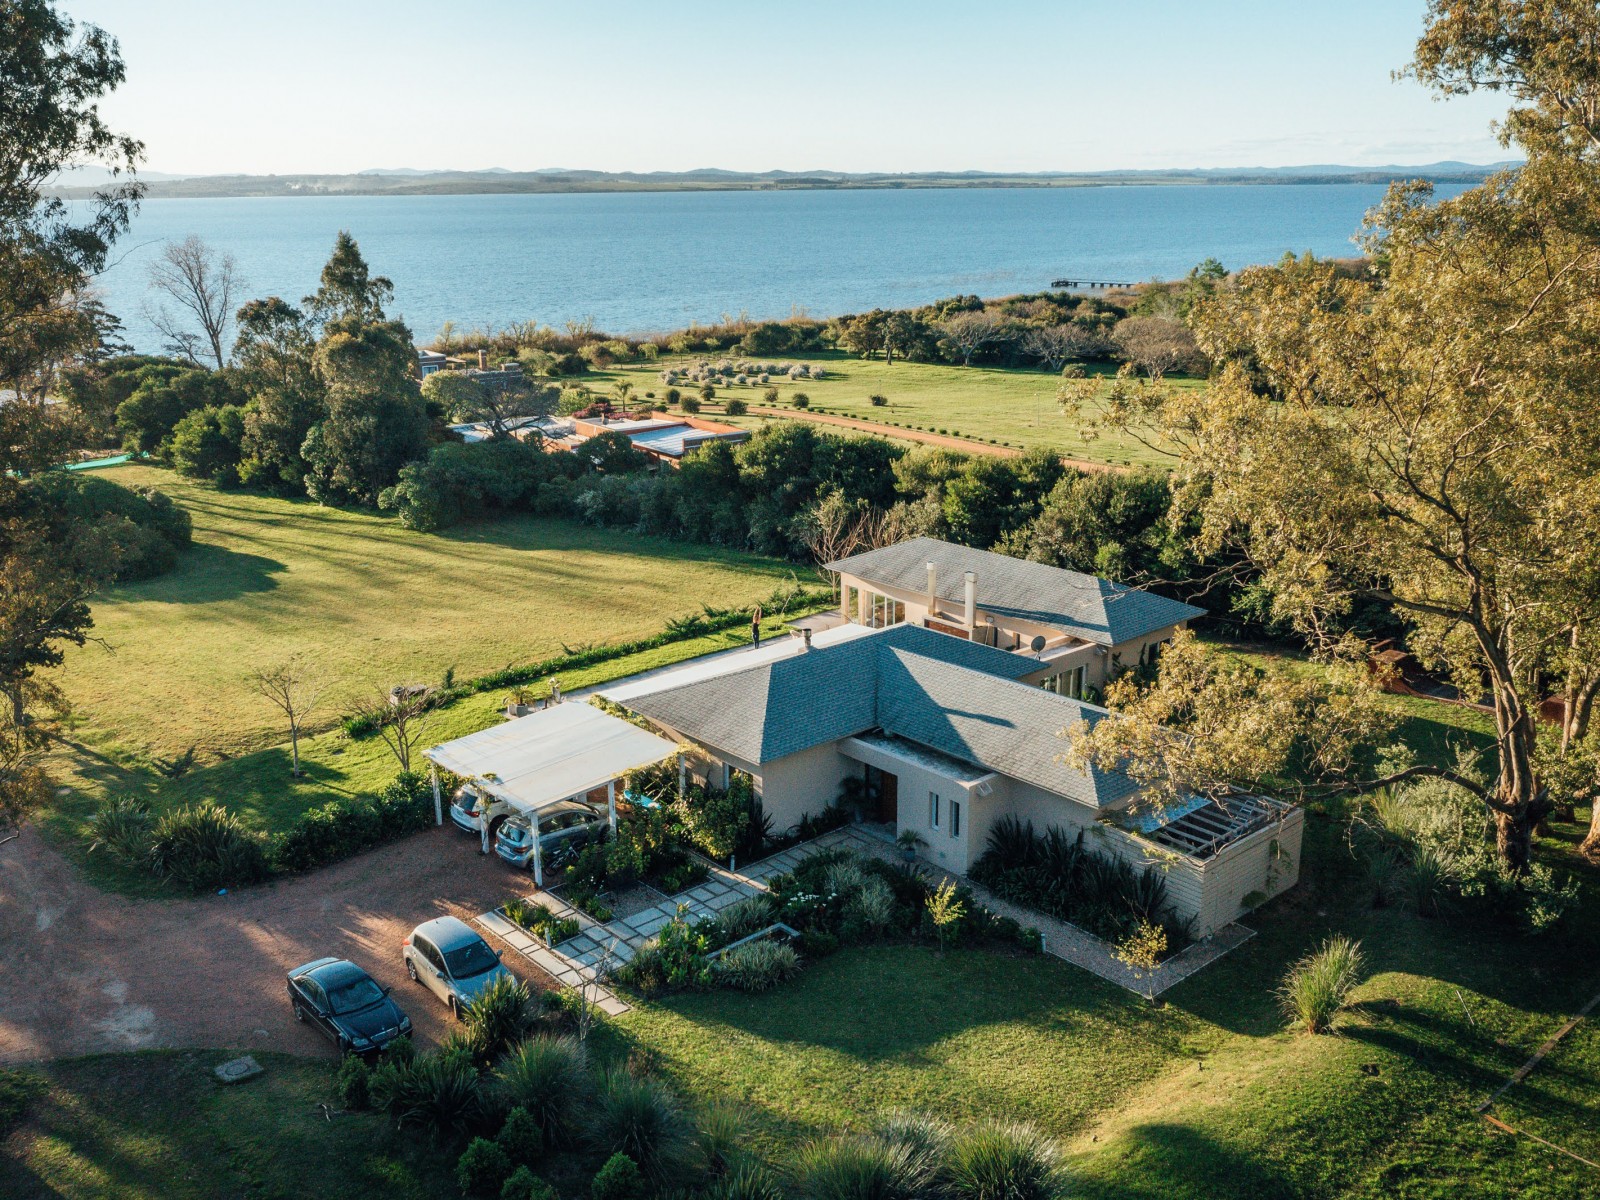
x=611, y=804
x=683, y=777
x=538, y=858
x=438, y=804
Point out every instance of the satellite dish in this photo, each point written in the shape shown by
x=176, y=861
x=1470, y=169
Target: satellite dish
x=1037, y=643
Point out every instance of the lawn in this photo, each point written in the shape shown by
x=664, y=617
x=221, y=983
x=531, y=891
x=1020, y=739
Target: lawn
x=372, y=603
x=1207, y=1095
x=156, y=1125
x=1016, y=407
x=1203, y=1096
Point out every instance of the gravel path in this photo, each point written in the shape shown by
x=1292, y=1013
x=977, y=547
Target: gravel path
x=83, y=971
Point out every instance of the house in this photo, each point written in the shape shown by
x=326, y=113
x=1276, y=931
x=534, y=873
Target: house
x=949, y=735
x=660, y=439
x=1079, y=628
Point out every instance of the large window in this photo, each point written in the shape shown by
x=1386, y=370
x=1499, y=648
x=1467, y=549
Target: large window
x=1068, y=683
x=933, y=810
x=955, y=818
x=879, y=612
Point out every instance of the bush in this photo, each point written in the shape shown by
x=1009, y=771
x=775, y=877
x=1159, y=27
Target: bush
x=645, y=973
x=619, y=1179
x=720, y=1137
x=744, y=917
x=748, y=1181
x=858, y=1168
x=205, y=847
x=483, y=1168
x=736, y=408
x=639, y=1117
x=1319, y=985
x=770, y=396
x=758, y=966
x=501, y=1015
x=690, y=404
x=800, y=400
x=122, y=827
x=341, y=829
x=878, y=401
x=549, y=1077
x=354, y=1084
x=151, y=530
x=523, y=1184
x=1003, y=1161
x=438, y=1092
x=521, y=1138
x=708, y=392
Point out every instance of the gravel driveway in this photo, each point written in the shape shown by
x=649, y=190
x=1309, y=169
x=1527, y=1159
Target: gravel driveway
x=83, y=970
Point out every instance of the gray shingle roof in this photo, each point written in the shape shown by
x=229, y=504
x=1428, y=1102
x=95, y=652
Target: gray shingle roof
x=1088, y=607
x=954, y=696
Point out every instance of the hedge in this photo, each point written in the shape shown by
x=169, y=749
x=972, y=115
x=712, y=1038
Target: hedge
x=359, y=725
x=341, y=829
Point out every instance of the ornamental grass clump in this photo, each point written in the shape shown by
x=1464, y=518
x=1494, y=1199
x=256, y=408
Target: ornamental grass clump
x=1319, y=985
x=548, y=1076
x=121, y=827
x=204, y=847
x=638, y=1116
x=501, y=1015
x=758, y=966
x=858, y=1168
x=1003, y=1160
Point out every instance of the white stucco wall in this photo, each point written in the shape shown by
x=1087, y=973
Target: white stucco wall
x=802, y=783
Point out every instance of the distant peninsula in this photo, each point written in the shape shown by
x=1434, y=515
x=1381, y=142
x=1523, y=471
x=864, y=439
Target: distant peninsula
x=412, y=182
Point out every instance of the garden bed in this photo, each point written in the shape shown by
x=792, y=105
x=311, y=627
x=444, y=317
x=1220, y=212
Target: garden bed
x=550, y=929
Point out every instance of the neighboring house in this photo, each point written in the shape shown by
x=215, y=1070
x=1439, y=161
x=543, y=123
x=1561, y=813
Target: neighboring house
x=661, y=439
x=950, y=735
x=1080, y=628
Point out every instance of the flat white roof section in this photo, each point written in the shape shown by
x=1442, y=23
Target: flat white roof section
x=551, y=755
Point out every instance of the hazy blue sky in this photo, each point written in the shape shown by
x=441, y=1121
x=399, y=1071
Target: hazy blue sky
x=343, y=85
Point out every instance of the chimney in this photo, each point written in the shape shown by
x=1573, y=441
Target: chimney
x=805, y=639
x=483, y=360
x=972, y=599
x=933, y=588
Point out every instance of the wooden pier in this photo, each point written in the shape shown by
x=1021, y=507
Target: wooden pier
x=1087, y=284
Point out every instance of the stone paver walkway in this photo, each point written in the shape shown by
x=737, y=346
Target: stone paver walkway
x=575, y=961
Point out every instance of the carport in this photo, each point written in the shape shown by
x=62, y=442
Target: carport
x=533, y=763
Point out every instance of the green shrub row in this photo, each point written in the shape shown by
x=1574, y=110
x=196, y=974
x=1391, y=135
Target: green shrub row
x=204, y=847
x=681, y=629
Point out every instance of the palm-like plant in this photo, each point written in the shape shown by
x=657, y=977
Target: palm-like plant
x=548, y=1076
x=1000, y=1160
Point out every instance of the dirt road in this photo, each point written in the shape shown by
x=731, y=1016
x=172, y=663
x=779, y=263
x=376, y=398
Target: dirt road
x=84, y=971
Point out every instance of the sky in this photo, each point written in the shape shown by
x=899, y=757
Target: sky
x=293, y=86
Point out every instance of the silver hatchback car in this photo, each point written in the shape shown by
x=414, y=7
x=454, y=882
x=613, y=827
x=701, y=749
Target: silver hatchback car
x=451, y=961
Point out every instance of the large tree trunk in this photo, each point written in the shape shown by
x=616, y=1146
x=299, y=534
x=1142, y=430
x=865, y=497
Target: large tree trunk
x=1519, y=802
x=1590, y=848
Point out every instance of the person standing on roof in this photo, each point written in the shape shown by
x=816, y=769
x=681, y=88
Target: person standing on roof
x=755, y=627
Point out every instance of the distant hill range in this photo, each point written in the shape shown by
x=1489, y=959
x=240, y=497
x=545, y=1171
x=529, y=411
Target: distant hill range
x=409, y=181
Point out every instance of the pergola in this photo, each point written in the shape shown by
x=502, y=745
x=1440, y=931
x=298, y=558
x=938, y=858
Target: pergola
x=536, y=762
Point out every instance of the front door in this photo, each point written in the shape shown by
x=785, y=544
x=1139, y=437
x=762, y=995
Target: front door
x=888, y=806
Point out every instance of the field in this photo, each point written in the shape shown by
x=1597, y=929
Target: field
x=1016, y=407
x=372, y=603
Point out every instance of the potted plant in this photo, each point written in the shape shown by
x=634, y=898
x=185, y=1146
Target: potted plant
x=910, y=841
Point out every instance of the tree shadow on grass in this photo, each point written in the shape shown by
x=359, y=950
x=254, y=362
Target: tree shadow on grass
x=1175, y=1162
x=206, y=574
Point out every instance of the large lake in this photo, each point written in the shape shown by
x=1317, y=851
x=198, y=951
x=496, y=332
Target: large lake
x=655, y=261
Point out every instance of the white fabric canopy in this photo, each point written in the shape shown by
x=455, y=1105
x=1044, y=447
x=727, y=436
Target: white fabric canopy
x=551, y=755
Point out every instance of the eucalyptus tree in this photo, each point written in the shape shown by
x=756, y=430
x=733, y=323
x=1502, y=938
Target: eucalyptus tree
x=1428, y=432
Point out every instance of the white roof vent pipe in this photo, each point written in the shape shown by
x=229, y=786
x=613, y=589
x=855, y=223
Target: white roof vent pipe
x=805, y=639
x=972, y=599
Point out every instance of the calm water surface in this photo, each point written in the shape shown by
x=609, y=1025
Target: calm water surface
x=659, y=261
